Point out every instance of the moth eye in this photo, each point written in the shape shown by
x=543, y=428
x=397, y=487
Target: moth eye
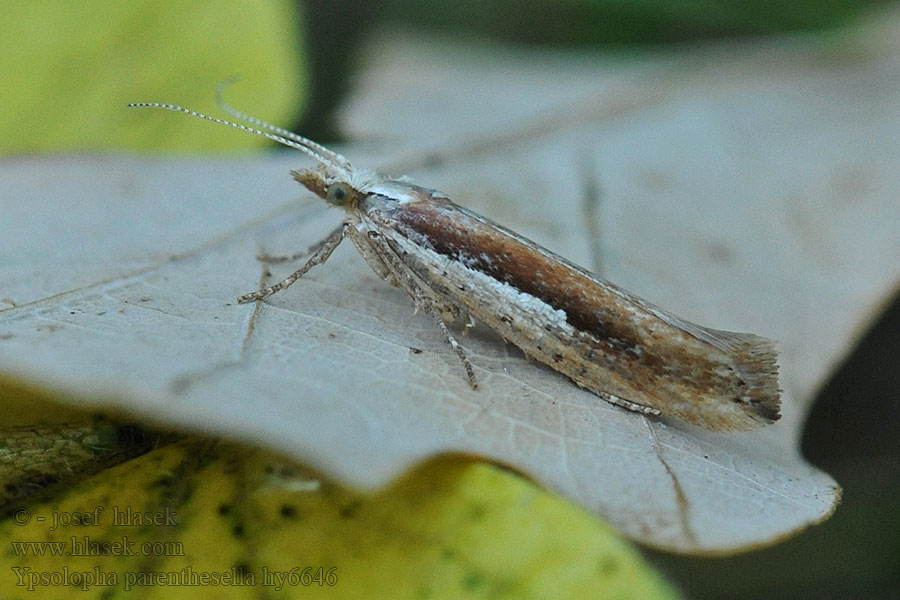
x=338, y=193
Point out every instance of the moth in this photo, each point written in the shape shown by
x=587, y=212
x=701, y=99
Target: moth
x=456, y=264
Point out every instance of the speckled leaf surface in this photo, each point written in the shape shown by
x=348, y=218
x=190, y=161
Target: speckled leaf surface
x=742, y=189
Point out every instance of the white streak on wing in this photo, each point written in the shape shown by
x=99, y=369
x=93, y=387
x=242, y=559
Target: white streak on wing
x=491, y=296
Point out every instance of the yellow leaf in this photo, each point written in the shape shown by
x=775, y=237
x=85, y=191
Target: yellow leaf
x=69, y=69
x=207, y=519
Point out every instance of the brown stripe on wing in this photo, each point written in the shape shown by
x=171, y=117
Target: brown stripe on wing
x=476, y=243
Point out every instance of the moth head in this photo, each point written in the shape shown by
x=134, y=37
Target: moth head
x=335, y=181
x=335, y=190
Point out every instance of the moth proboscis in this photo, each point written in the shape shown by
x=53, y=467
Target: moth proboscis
x=455, y=263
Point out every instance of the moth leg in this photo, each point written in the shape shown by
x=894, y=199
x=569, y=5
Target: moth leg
x=372, y=257
x=450, y=313
x=262, y=256
x=632, y=406
x=325, y=248
x=423, y=300
x=426, y=303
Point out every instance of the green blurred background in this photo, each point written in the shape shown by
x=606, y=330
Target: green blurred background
x=69, y=68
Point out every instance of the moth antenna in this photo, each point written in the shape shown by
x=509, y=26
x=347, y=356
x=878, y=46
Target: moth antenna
x=220, y=100
x=304, y=146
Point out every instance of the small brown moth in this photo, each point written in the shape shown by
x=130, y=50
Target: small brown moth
x=455, y=264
